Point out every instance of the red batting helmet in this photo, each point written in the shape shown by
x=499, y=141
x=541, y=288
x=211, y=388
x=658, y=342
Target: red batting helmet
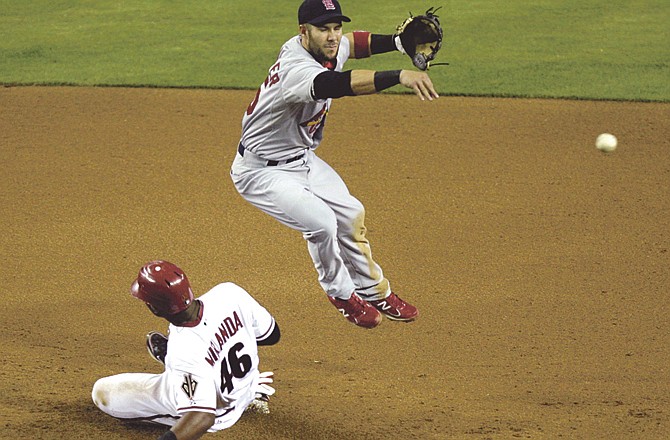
x=163, y=287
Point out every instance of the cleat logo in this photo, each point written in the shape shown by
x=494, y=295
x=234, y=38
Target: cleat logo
x=344, y=313
x=388, y=309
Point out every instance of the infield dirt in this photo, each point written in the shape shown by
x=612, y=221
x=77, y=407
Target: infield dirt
x=541, y=266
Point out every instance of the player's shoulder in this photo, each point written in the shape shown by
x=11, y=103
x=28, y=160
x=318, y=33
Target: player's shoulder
x=292, y=45
x=226, y=289
x=226, y=286
x=294, y=55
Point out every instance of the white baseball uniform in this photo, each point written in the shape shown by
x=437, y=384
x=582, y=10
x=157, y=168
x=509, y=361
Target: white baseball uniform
x=210, y=367
x=277, y=171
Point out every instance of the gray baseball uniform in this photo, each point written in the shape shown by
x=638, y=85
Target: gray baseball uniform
x=276, y=170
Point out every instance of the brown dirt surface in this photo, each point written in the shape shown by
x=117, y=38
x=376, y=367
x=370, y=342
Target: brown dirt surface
x=540, y=265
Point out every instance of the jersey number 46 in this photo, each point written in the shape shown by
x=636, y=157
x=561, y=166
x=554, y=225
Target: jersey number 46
x=234, y=365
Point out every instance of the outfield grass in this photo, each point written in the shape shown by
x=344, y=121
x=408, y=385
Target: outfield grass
x=599, y=49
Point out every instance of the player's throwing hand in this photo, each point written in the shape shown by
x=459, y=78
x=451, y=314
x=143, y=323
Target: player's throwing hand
x=419, y=82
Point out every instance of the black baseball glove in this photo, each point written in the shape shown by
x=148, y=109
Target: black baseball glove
x=421, y=38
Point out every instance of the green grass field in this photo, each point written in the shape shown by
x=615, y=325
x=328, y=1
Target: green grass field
x=598, y=49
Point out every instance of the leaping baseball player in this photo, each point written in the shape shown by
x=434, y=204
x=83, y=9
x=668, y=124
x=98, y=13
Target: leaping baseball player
x=277, y=170
x=211, y=358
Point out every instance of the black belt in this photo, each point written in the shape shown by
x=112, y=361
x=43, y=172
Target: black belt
x=271, y=163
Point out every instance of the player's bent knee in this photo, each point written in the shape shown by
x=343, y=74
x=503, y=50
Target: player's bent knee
x=106, y=397
x=354, y=213
x=100, y=395
x=323, y=229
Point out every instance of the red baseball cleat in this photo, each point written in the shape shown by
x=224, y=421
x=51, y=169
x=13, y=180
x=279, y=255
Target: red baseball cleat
x=357, y=311
x=395, y=308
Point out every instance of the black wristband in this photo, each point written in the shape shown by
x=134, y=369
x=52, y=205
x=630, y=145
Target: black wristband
x=381, y=44
x=386, y=79
x=168, y=436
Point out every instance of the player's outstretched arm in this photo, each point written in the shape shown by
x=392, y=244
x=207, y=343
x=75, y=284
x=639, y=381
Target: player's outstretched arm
x=363, y=44
x=331, y=84
x=366, y=82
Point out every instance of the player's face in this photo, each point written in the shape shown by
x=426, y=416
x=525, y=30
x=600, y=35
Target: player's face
x=322, y=41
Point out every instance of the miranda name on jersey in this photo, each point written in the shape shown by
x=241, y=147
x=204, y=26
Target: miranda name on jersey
x=229, y=326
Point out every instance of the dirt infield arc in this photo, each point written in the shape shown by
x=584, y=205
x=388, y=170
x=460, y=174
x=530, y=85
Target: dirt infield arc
x=540, y=265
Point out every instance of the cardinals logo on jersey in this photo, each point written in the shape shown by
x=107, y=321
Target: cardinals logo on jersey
x=315, y=122
x=189, y=386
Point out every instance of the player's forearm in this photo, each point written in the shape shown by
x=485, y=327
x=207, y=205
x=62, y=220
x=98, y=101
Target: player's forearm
x=367, y=82
x=363, y=44
x=193, y=425
x=363, y=82
x=332, y=84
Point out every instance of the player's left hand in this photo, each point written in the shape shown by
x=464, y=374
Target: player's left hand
x=263, y=391
x=419, y=82
x=421, y=38
x=264, y=381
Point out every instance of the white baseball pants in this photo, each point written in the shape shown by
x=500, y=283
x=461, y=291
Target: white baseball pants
x=148, y=398
x=309, y=196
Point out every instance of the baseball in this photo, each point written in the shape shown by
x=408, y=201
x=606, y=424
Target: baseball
x=606, y=142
